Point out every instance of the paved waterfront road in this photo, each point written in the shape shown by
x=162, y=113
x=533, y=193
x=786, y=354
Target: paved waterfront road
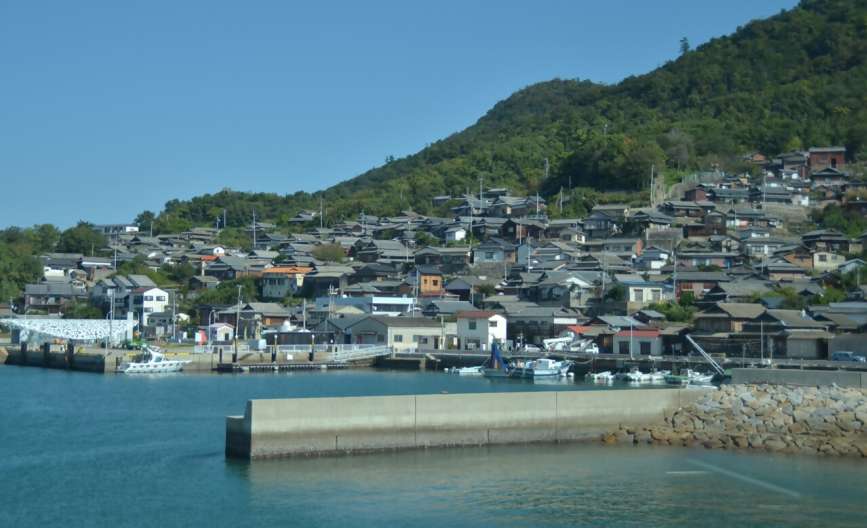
x=88, y=450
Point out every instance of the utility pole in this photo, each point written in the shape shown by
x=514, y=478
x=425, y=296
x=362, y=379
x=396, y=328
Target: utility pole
x=175, y=315
x=254, y=229
x=762, y=334
x=237, y=320
x=602, y=295
x=674, y=275
x=652, y=186
x=110, y=317
x=470, y=234
x=224, y=219
x=547, y=166
x=764, y=185
x=631, y=356
x=321, y=214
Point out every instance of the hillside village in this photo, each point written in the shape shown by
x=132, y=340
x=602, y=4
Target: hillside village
x=719, y=260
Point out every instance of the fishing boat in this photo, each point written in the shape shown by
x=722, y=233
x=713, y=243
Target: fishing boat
x=540, y=368
x=152, y=362
x=496, y=366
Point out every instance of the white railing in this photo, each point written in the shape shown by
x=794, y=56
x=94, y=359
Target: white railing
x=340, y=353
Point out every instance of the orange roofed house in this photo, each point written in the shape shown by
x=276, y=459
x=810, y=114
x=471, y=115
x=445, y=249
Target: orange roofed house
x=280, y=281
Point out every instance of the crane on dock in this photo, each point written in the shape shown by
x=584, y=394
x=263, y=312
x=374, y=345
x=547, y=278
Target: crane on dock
x=707, y=357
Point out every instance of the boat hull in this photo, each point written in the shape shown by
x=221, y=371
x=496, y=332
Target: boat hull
x=154, y=368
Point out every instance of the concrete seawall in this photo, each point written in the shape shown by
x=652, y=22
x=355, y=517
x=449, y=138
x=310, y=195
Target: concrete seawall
x=314, y=426
x=841, y=378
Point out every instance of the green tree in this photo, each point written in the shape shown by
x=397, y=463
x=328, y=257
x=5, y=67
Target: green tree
x=329, y=253
x=82, y=310
x=82, y=238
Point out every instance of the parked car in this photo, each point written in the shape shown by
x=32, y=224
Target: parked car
x=844, y=355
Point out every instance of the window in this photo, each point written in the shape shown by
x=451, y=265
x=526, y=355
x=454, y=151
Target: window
x=489, y=255
x=161, y=297
x=655, y=295
x=398, y=338
x=637, y=295
x=148, y=297
x=472, y=325
x=645, y=348
x=435, y=283
x=492, y=324
x=380, y=338
x=623, y=347
x=823, y=258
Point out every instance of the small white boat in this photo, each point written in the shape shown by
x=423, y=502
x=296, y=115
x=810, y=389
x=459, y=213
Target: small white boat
x=636, y=375
x=605, y=376
x=658, y=375
x=689, y=376
x=154, y=362
x=467, y=371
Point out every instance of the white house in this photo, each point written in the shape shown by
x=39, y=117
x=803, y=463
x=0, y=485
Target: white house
x=399, y=333
x=478, y=330
x=146, y=301
x=455, y=234
x=827, y=261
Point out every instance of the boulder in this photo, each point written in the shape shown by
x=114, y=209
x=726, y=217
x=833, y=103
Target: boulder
x=775, y=445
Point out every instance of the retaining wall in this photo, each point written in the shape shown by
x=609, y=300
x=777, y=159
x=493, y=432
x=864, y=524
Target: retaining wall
x=303, y=426
x=841, y=378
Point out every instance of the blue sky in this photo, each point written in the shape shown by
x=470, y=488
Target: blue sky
x=108, y=108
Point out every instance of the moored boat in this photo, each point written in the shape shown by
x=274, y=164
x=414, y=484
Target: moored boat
x=688, y=376
x=153, y=362
x=540, y=368
x=605, y=376
x=467, y=371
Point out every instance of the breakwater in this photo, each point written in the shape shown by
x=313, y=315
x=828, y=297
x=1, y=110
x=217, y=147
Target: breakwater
x=808, y=377
x=827, y=420
x=316, y=426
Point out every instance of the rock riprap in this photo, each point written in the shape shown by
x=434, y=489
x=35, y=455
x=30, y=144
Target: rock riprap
x=815, y=420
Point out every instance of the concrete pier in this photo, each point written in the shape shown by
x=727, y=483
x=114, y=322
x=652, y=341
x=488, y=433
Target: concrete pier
x=317, y=426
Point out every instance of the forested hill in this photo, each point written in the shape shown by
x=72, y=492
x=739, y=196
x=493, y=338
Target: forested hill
x=788, y=82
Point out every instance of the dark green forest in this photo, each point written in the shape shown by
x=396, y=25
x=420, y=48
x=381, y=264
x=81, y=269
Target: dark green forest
x=789, y=82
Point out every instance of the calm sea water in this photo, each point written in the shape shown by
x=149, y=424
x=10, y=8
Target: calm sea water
x=89, y=450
